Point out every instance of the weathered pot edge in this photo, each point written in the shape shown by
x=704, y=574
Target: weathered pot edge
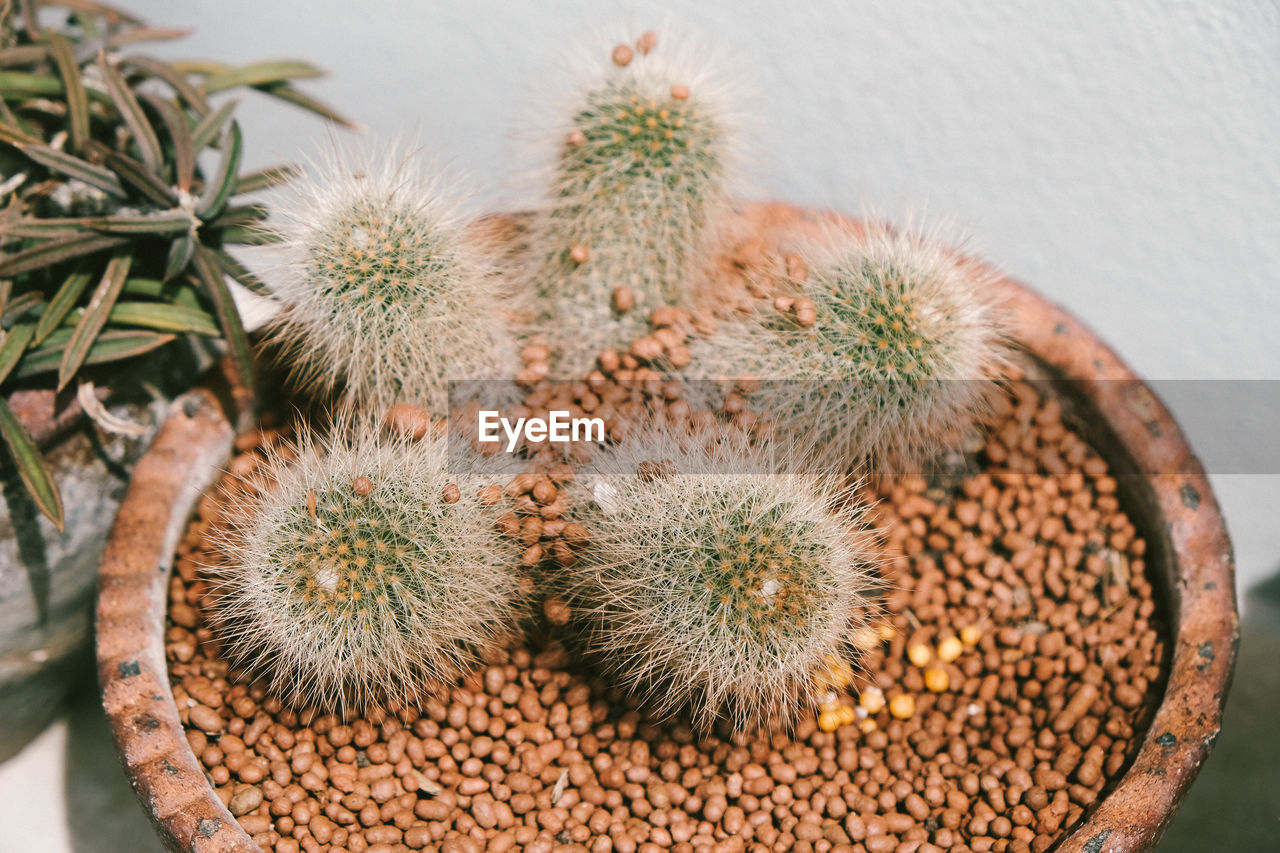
x=166, y=775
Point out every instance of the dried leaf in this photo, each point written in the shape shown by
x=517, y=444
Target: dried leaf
x=77, y=100
x=31, y=466
x=95, y=315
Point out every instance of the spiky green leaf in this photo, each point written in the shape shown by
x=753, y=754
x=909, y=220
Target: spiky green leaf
x=55, y=251
x=210, y=275
x=13, y=344
x=63, y=301
x=95, y=315
x=179, y=255
x=260, y=74
x=31, y=466
x=164, y=318
x=223, y=181
x=287, y=93
x=111, y=345
x=184, y=153
x=77, y=100
x=144, y=135
x=175, y=79
x=142, y=179
x=211, y=126
x=74, y=167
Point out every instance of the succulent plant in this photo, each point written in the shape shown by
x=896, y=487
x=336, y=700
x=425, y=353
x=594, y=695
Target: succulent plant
x=636, y=194
x=713, y=583
x=366, y=568
x=890, y=348
x=387, y=294
x=115, y=225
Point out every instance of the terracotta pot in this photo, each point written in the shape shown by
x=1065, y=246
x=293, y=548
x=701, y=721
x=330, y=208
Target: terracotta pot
x=1166, y=493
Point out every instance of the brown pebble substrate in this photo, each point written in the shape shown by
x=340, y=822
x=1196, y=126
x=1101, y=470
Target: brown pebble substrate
x=533, y=753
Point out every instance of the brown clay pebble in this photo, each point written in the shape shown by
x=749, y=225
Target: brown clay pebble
x=1009, y=691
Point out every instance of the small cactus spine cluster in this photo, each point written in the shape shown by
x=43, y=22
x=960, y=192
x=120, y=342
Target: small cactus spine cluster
x=636, y=195
x=887, y=347
x=386, y=294
x=714, y=585
x=362, y=571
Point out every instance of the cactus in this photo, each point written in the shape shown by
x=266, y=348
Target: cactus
x=890, y=348
x=385, y=292
x=712, y=583
x=636, y=196
x=363, y=569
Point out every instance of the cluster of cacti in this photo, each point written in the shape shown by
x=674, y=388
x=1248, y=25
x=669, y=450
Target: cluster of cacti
x=885, y=348
x=643, y=145
x=387, y=295
x=717, y=574
x=364, y=568
x=120, y=193
x=714, y=582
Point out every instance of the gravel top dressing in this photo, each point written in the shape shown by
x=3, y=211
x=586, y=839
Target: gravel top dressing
x=1017, y=660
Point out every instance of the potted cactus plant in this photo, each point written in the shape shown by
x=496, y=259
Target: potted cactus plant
x=839, y=570
x=123, y=198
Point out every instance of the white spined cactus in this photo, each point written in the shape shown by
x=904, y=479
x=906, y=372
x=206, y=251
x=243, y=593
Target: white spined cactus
x=887, y=352
x=642, y=140
x=386, y=293
x=713, y=583
x=362, y=568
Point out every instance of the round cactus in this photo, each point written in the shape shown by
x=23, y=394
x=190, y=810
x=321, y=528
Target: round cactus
x=636, y=195
x=891, y=347
x=365, y=568
x=385, y=294
x=712, y=583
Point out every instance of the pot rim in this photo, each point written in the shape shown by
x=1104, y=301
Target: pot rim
x=195, y=443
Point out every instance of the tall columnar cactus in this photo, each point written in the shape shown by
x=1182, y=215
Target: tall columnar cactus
x=890, y=348
x=636, y=194
x=366, y=568
x=386, y=294
x=714, y=584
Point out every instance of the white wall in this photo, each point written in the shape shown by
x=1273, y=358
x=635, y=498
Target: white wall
x=1119, y=156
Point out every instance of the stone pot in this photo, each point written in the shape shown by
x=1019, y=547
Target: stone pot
x=1165, y=491
x=47, y=576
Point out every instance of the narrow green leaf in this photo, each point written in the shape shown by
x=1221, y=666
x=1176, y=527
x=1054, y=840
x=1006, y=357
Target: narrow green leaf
x=142, y=286
x=164, y=318
x=67, y=296
x=6, y=289
x=111, y=345
x=15, y=135
x=31, y=466
x=168, y=222
x=184, y=153
x=241, y=274
x=211, y=125
x=241, y=214
x=179, y=255
x=74, y=167
x=95, y=315
x=77, y=100
x=169, y=292
x=139, y=34
x=210, y=274
x=55, y=251
x=12, y=345
x=32, y=227
x=285, y=92
x=244, y=235
x=264, y=178
x=200, y=66
x=131, y=111
x=19, y=306
x=218, y=190
x=142, y=179
x=176, y=80
x=260, y=74
x=21, y=84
